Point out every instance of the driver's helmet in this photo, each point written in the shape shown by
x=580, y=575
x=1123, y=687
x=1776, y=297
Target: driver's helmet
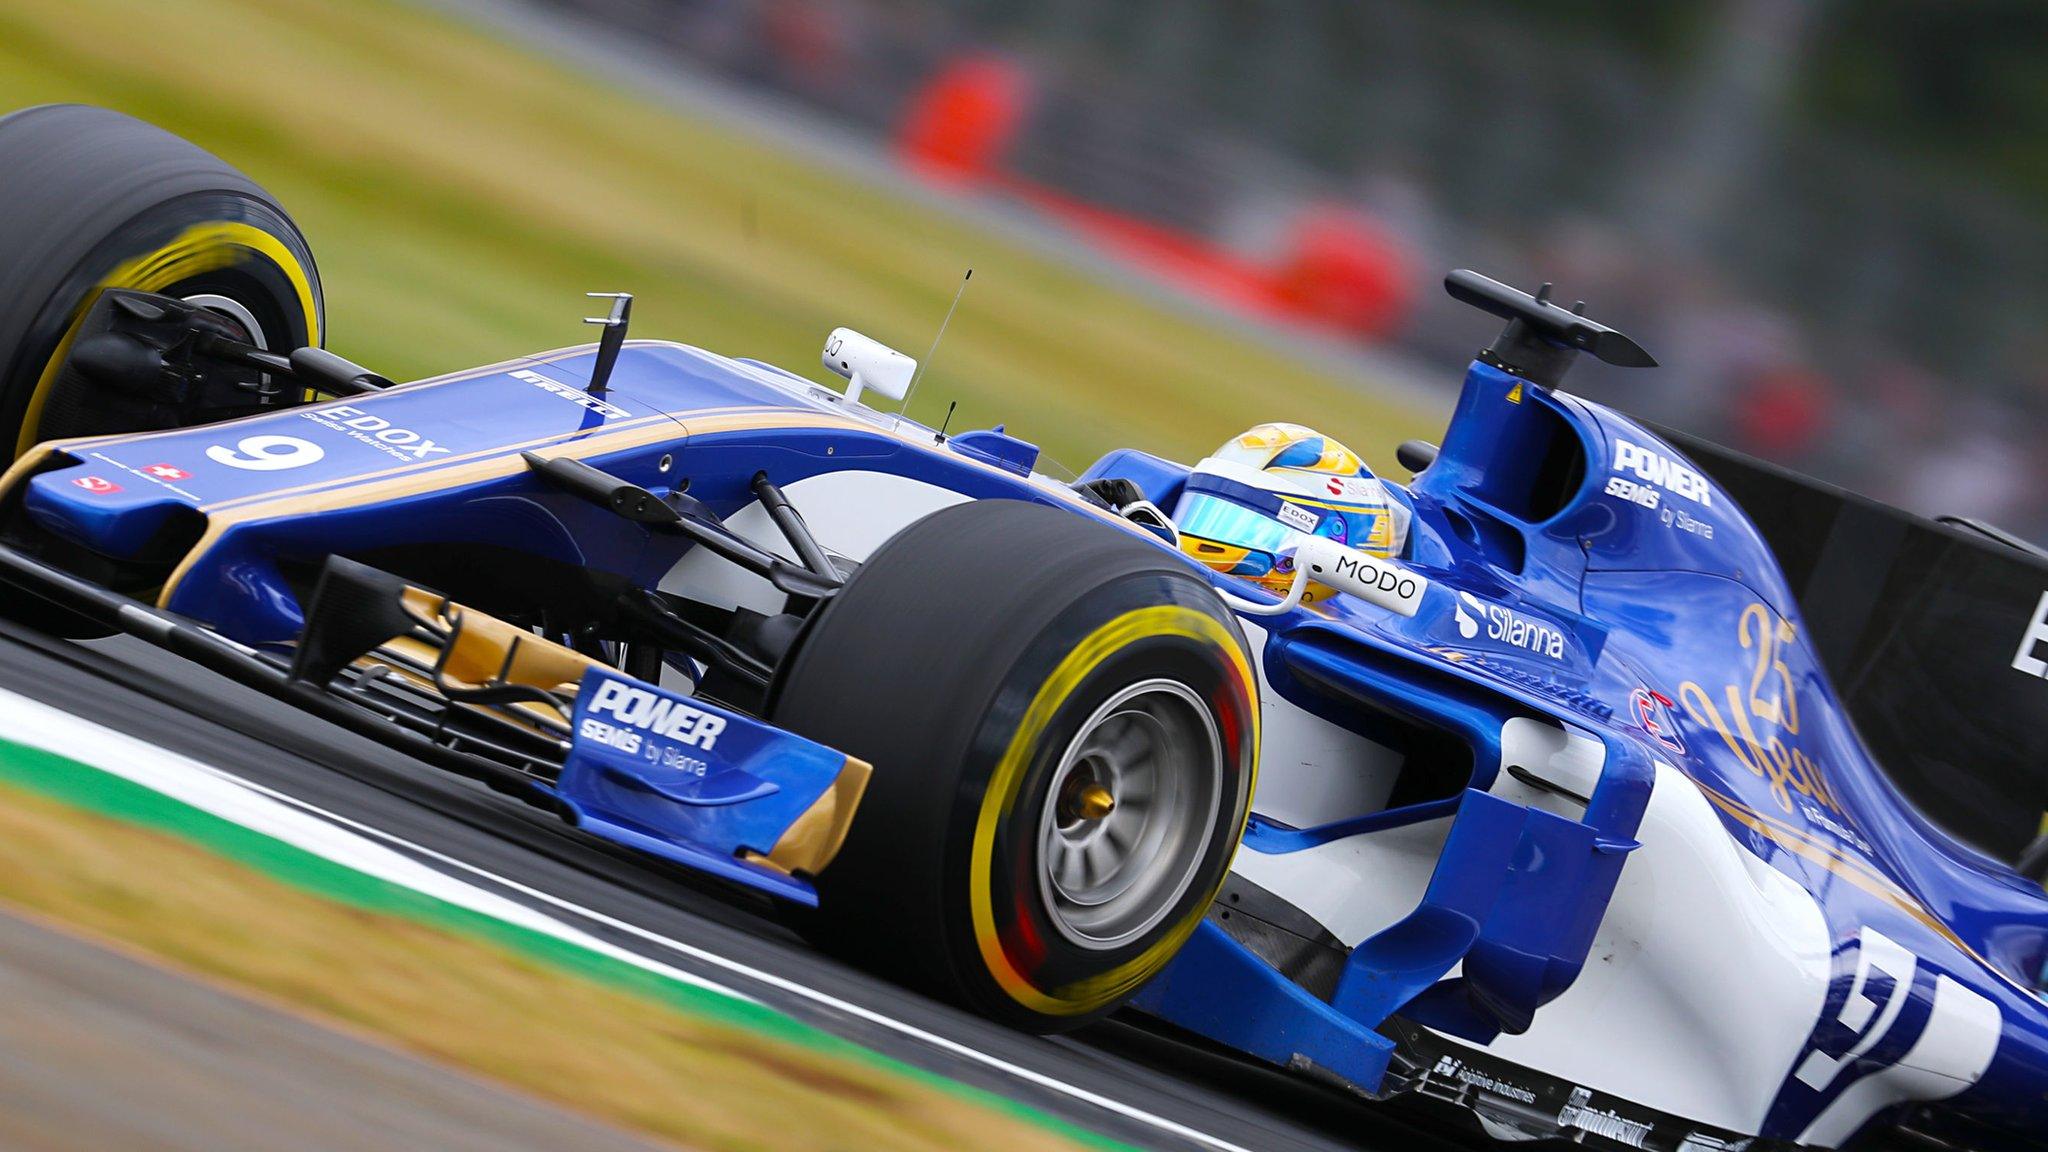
x=1250, y=500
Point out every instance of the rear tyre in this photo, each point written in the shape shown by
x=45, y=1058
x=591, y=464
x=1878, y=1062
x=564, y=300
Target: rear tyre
x=92, y=199
x=1062, y=721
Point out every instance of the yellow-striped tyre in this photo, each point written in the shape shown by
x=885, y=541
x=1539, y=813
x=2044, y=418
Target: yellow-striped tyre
x=1063, y=724
x=90, y=200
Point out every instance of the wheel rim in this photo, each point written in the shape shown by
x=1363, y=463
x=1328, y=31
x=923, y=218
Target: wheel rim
x=235, y=311
x=1128, y=818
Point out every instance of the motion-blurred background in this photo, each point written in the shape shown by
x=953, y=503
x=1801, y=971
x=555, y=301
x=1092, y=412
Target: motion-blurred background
x=1825, y=217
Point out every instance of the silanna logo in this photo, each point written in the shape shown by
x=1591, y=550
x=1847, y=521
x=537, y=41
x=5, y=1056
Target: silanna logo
x=2033, y=642
x=1507, y=626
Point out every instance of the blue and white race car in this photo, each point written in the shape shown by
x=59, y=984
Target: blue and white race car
x=1523, y=786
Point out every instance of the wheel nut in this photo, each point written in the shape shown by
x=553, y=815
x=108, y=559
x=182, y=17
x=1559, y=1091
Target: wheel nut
x=1094, y=802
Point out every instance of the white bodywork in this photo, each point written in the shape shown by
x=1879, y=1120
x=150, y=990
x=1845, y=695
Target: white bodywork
x=851, y=513
x=1707, y=974
x=1311, y=771
x=1704, y=981
x=1650, y=1019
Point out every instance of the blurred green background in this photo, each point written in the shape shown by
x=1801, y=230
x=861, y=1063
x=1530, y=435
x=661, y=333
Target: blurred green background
x=462, y=194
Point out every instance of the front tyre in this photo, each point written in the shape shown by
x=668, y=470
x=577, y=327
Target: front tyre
x=1062, y=720
x=91, y=200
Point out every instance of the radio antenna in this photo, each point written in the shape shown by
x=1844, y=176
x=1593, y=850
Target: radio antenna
x=926, y=362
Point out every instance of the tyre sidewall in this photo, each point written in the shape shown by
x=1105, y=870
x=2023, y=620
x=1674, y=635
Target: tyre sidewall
x=214, y=242
x=1162, y=623
x=94, y=199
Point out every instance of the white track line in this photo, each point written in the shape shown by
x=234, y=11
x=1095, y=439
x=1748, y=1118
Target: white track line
x=204, y=788
x=823, y=999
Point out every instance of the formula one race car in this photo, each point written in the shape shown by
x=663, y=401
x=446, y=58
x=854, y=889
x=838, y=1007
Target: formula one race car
x=1557, y=815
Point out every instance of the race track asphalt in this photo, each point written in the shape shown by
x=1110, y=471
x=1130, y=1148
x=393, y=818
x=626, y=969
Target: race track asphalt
x=1120, y=1078
x=102, y=1050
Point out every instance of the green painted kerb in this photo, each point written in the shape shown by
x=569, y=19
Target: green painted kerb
x=81, y=785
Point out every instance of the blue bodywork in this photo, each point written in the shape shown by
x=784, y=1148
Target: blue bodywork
x=700, y=792
x=1683, y=602
x=1556, y=590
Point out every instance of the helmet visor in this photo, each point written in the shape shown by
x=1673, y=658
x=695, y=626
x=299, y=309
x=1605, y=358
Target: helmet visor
x=1214, y=518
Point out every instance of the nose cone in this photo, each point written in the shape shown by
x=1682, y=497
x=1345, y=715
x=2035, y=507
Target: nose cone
x=113, y=509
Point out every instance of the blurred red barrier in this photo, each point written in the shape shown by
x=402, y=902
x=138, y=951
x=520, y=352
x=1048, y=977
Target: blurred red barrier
x=959, y=125
x=1339, y=270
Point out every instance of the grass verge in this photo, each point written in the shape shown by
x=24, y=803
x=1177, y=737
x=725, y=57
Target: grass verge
x=461, y=194
x=573, y=1026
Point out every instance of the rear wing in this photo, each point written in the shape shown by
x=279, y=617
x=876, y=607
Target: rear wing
x=1936, y=637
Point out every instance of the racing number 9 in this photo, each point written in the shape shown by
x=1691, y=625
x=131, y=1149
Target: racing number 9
x=266, y=453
